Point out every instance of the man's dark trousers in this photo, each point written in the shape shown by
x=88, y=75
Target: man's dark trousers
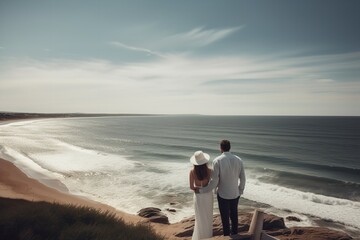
x=229, y=209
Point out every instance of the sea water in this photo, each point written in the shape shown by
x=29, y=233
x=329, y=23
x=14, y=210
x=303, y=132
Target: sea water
x=309, y=165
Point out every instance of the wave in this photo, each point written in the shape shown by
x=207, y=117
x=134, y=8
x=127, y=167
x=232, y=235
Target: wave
x=337, y=171
x=27, y=164
x=161, y=156
x=262, y=157
x=331, y=168
x=315, y=184
x=58, y=156
x=336, y=209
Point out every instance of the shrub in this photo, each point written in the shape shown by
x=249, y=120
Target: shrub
x=25, y=220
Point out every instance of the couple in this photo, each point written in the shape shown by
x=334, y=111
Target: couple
x=225, y=175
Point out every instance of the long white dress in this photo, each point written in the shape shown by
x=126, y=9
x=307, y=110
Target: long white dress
x=203, y=204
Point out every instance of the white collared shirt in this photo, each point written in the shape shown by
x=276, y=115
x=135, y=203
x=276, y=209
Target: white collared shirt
x=227, y=170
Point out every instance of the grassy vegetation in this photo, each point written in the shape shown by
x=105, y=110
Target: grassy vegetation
x=20, y=219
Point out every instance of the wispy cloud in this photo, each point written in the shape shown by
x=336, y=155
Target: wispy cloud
x=175, y=44
x=137, y=49
x=222, y=82
x=201, y=37
x=325, y=80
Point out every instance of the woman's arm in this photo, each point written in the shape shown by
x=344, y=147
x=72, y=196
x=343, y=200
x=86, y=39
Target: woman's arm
x=191, y=180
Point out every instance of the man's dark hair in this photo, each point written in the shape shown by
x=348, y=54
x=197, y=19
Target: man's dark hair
x=225, y=145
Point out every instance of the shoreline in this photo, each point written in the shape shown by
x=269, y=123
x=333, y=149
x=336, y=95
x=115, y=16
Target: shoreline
x=15, y=184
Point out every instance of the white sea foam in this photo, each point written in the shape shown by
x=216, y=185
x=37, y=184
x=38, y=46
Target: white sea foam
x=109, y=178
x=67, y=158
x=134, y=187
x=27, y=165
x=338, y=210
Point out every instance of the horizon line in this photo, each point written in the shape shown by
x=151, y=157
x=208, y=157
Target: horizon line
x=167, y=114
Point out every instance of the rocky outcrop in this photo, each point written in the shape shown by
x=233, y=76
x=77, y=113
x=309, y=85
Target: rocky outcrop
x=273, y=225
x=318, y=233
x=154, y=215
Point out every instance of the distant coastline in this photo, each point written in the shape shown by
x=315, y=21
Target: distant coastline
x=5, y=116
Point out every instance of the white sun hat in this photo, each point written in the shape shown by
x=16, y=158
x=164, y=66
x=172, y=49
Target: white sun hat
x=199, y=158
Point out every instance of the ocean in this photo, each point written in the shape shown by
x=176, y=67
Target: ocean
x=307, y=165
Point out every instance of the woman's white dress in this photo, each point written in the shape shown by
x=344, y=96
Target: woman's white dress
x=203, y=204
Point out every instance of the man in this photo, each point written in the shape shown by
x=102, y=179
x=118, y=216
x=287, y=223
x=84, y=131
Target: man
x=228, y=169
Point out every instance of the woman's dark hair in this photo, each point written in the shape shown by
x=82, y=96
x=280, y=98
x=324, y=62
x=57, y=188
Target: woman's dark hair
x=201, y=171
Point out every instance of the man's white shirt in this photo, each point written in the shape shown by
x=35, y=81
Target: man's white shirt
x=227, y=170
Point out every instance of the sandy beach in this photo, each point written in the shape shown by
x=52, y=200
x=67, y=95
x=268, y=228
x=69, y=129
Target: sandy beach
x=16, y=185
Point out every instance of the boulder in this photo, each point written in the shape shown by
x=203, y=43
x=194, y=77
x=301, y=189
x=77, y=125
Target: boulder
x=170, y=209
x=293, y=218
x=272, y=222
x=154, y=215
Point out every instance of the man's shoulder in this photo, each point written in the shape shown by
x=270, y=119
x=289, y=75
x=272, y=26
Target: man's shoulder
x=233, y=156
x=218, y=158
x=226, y=156
x=239, y=158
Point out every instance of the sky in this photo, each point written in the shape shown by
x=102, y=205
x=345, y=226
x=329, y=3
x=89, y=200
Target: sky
x=181, y=57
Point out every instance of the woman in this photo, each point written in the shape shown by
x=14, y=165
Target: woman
x=203, y=202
